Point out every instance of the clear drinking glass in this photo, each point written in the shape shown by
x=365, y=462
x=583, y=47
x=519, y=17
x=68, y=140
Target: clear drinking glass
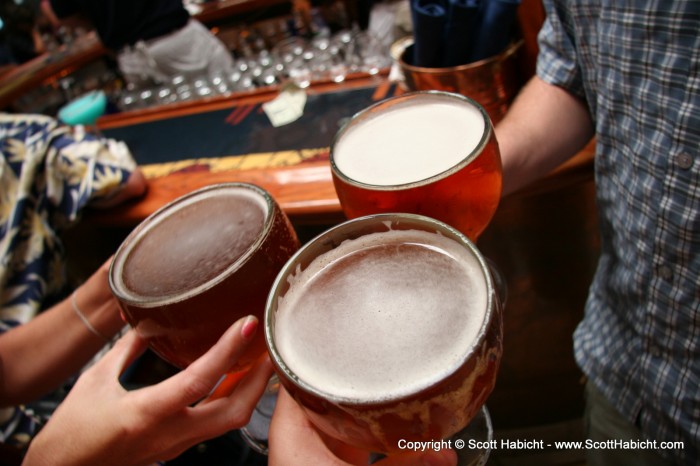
x=198, y=264
x=432, y=153
x=387, y=329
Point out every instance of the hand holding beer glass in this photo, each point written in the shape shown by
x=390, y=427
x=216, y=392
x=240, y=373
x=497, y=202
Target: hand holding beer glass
x=198, y=264
x=386, y=330
x=431, y=153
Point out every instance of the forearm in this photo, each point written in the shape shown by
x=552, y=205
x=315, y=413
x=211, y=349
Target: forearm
x=71, y=20
x=37, y=357
x=135, y=186
x=544, y=127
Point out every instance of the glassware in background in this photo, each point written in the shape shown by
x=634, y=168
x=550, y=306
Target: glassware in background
x=368, y=54
x=324, y=57
x=147, y=98
x=129, y=98
x=220, y=84
x=183, y=88
x=202, y=87
x=165, y=94
x=293, y=54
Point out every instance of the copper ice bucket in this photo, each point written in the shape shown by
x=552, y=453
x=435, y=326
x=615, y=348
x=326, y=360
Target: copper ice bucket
x=493, y=81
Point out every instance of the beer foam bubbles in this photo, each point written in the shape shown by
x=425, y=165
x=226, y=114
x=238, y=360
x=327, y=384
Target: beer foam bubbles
x=382, y=316
x=409, y=142
x=192, y=243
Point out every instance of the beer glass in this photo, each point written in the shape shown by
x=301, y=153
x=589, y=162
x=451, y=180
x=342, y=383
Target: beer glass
x=386, y=329
x=432, y=153
x=198, y=264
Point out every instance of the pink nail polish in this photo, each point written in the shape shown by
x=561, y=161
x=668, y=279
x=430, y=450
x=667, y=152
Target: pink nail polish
x=249, y=327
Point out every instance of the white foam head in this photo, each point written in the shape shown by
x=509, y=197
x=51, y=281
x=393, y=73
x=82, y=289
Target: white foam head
x=409, y=141
x=382, y=316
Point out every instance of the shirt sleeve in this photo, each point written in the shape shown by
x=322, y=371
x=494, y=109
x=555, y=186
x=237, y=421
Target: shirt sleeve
x=82, y=168
x=48, y=173
x=557, y=62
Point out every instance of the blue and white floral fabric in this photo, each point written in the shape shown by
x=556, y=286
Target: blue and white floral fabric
x=49, y=172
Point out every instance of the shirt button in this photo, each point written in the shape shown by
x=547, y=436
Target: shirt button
x=654, y=351
x=684, y=160
x=665, y=272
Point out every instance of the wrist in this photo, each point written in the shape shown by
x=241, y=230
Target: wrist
x=95, y=302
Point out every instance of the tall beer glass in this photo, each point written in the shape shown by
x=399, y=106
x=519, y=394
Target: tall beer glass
x=431, y=153
x=386, y=329
x=198, y=264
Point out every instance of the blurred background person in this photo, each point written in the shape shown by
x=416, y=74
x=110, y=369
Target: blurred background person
x=19, y=31
x=153, y=40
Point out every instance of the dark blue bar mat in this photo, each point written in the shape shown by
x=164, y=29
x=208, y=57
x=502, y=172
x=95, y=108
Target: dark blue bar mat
x=242, y=130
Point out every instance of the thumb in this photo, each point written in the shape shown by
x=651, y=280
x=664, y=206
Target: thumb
x=124, y=352
x=444, y=457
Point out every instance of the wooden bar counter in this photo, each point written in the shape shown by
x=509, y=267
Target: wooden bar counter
x=298, y=177
x=303, y=187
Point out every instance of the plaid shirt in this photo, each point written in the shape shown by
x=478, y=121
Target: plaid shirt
x=637, y=65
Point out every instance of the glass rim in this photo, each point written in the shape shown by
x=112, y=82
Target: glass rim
x=391, y=101
x=130, y=241
x=331, y=238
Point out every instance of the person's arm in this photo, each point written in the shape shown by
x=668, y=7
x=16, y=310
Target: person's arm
x=61, y=13
x=102, y=423
x=544, y=127
x=294, y=441
x=135, y=187
x=38, y=356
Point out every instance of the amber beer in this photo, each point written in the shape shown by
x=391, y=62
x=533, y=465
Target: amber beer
x=200, y=263
x=431, y=153
x=386, y=328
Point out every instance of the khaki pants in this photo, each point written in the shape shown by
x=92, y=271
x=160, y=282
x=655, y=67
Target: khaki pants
x=602, y=422
x=190, y=51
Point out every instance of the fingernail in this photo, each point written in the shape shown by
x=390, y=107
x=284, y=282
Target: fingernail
x=249, y=327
